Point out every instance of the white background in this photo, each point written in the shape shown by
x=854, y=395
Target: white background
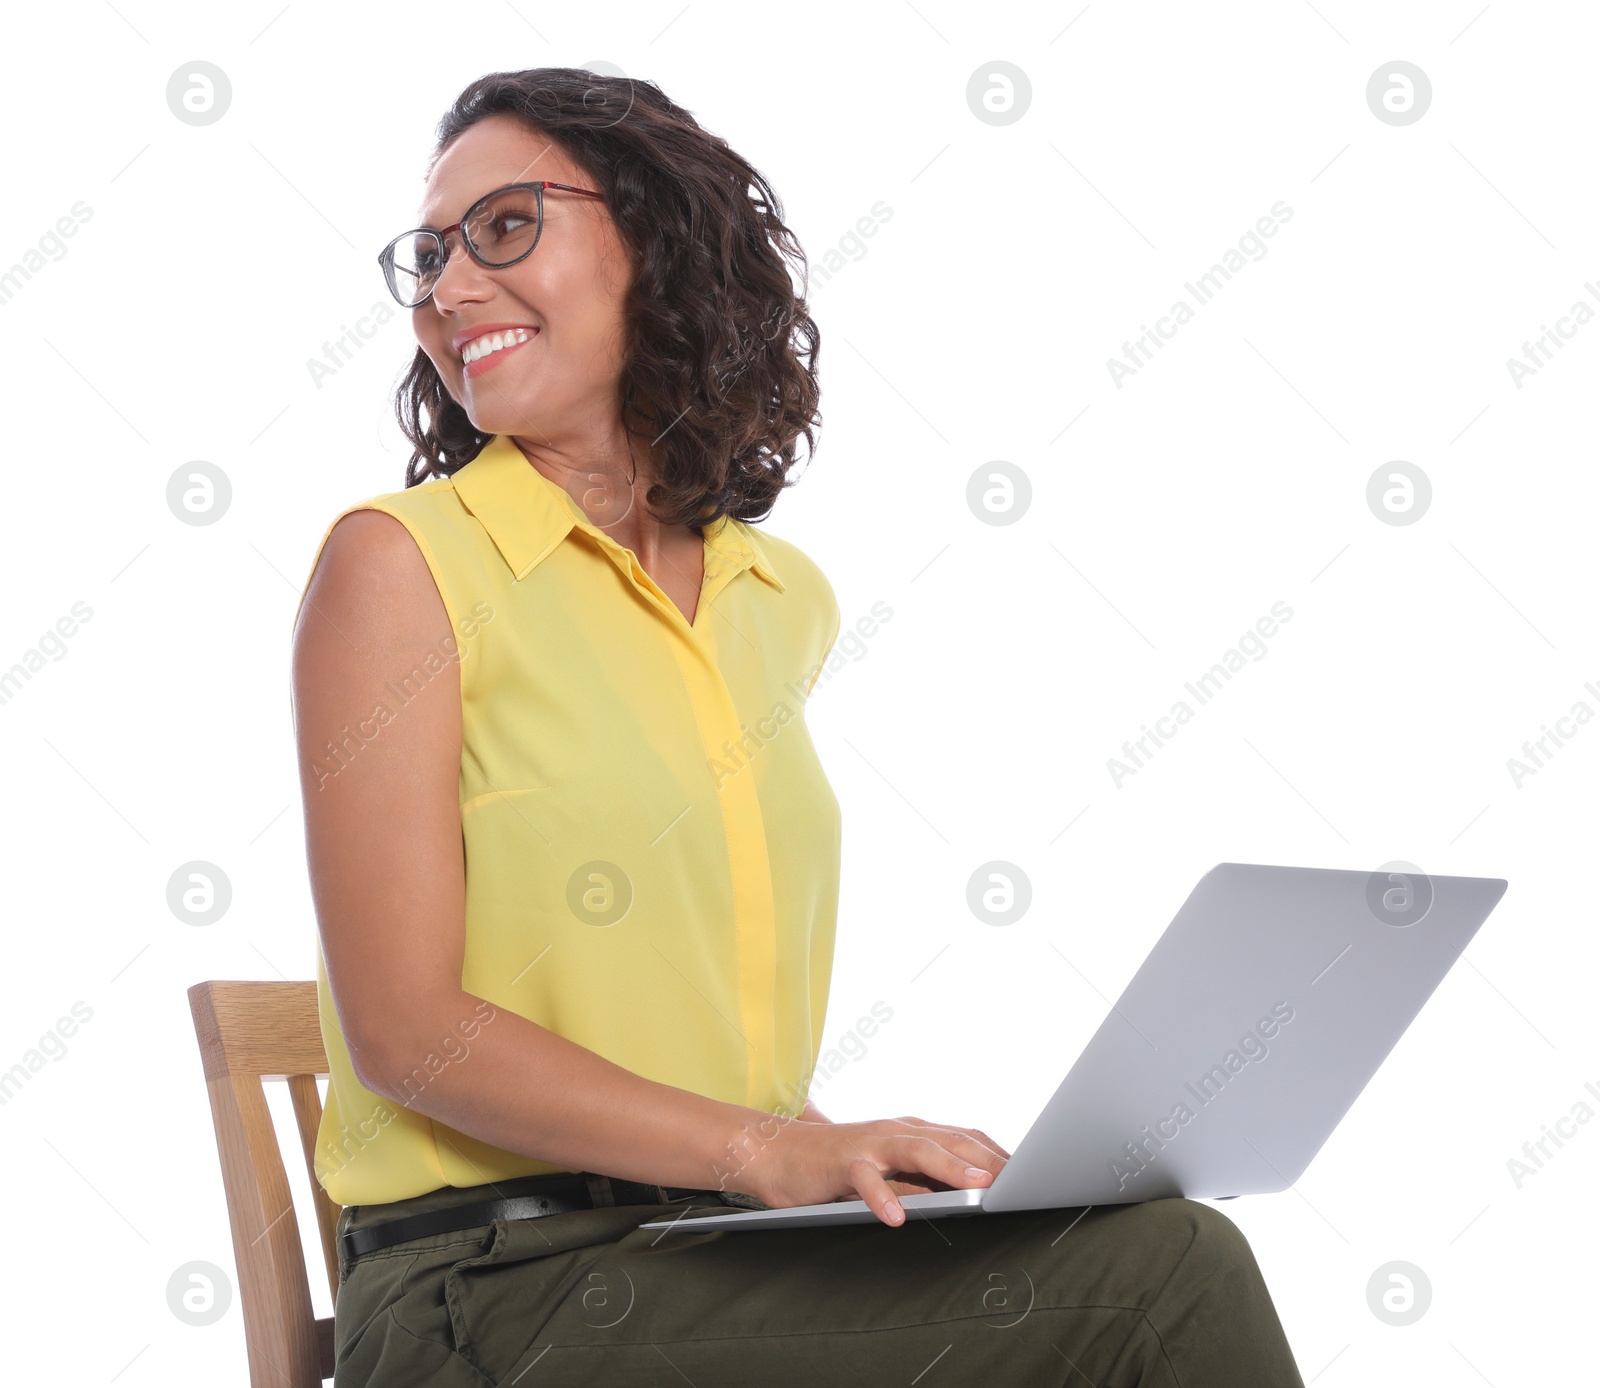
x=1167, y=516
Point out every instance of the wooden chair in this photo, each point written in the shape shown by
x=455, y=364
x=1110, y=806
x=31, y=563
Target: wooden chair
x=249, y=1033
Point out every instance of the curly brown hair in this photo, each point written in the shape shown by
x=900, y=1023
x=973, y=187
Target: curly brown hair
x=720, y=364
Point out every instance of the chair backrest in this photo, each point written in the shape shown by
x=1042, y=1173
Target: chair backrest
x=248, y=1033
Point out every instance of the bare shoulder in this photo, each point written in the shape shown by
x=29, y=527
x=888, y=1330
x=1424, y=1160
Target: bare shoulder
x=379, y=779
x=371, y=574
x=372, y=550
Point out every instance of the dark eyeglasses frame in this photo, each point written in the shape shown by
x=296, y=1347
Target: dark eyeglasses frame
x=386, y=255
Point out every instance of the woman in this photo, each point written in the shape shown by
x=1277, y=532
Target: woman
x=574, y=859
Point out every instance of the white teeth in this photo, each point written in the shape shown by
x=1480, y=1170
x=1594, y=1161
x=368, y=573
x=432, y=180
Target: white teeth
x=492, y=342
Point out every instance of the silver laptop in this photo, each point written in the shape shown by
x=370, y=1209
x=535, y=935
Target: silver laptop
x=1246, y=1034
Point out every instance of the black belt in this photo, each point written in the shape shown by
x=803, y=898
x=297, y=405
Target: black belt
x=556, y=1195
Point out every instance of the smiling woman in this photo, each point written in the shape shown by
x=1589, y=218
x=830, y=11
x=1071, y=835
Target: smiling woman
x=650, y=250
x=613, y=372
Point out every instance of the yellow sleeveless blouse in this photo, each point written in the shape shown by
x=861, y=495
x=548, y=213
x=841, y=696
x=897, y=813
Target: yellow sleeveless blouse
x=651, y=843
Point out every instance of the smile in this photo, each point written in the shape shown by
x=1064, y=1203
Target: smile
x=484, y=352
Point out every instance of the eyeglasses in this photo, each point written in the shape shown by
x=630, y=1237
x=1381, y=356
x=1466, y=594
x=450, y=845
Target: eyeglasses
x=498, y=230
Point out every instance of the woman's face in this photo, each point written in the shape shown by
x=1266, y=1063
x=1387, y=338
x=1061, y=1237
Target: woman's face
x=559, y=388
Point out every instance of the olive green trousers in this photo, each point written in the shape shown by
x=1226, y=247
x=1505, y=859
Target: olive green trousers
x=1164, y=1293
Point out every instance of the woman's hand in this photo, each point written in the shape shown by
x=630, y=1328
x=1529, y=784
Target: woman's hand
x=813, y=1114
x=806, y=1163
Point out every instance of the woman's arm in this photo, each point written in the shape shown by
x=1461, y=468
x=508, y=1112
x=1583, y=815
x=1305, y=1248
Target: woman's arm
x=383, y=830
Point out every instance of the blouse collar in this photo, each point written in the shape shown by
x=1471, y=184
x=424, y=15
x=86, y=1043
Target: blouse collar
x=527, y=515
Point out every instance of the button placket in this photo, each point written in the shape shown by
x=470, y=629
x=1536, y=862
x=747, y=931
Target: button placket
x=744, y=826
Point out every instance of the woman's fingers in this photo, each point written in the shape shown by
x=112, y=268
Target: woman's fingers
x=975, y=1134
x=925, y=1156
x=871, y=1187
x=950, y=1157
x=883, y=1160
x=989, y=1142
